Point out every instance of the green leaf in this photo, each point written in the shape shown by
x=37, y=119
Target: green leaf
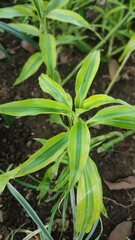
x=31, y=66
x=128, y=49
x=55, y=90
x=16, y=11
x=34, y=106
x=96, y=101
x=26, y=28
x=18, y=34
x=69, y=17
x=48, y=50
x=68, y=39
x=78, y=150
x=47, y=154
x=30, y=211
x=86, y=76
x=62, y=179
x=3, y=182
x=51, y=150
x=44, y=185
x=119, y=116
x=55, y=118
x=56, y=4
x=89, y=198
x=122, y=122
x=39, y=6
x=40, y=140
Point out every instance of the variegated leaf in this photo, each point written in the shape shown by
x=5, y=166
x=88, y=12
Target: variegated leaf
x=16, y=11
x=122, y=116
x=53, y=4
x=34, y=106
x=86, y=76
x=55, y=90
x=39, y=6
x=78, y=150
x=48, y=50
x=26, y=28
x=97, y=101
x=50, y=151
x=30, y=67
x=69, y=17
x=89, y=198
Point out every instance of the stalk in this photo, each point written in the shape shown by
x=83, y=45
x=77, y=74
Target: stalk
x=117, y=74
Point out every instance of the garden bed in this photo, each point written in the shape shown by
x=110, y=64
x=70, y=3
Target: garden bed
x=17, y=144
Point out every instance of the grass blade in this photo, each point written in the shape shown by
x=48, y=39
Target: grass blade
x=30, y=211
x=18, y=34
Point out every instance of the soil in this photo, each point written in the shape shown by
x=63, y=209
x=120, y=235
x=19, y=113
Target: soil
x=17, y=144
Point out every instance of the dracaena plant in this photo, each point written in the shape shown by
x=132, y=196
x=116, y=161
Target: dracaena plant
x=72, y=147
x=38, y=19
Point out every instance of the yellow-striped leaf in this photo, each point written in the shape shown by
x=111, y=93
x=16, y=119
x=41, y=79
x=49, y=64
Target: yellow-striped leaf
x=78, y=150
x=30, y=67
x=120, y=116
x=127, y=122
x=55, y=90
x=56, y=4
x=16, y=11
x=68, y=16
x=34, y=106
x=48, y=50
x=89, y=198
x=26, y=28
x=50, y=151
x=97, y=101
x=86, y=76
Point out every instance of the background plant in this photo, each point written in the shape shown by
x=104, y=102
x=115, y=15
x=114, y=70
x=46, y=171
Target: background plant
x=41, y=19
x=112, y=26
x=72, y=147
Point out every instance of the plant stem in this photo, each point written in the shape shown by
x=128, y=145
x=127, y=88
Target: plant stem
x=105, y=146
x=117, y=74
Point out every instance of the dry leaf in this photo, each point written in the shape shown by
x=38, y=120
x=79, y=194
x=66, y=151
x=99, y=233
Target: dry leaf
x=121, y=231
x=125, y=183
x=97, y=126
x=112, y=68
x=28, y=47
x=133, y=137
x=58, y=224
x=64, y=57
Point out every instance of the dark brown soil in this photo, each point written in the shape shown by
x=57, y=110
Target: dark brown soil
x=17, y=144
